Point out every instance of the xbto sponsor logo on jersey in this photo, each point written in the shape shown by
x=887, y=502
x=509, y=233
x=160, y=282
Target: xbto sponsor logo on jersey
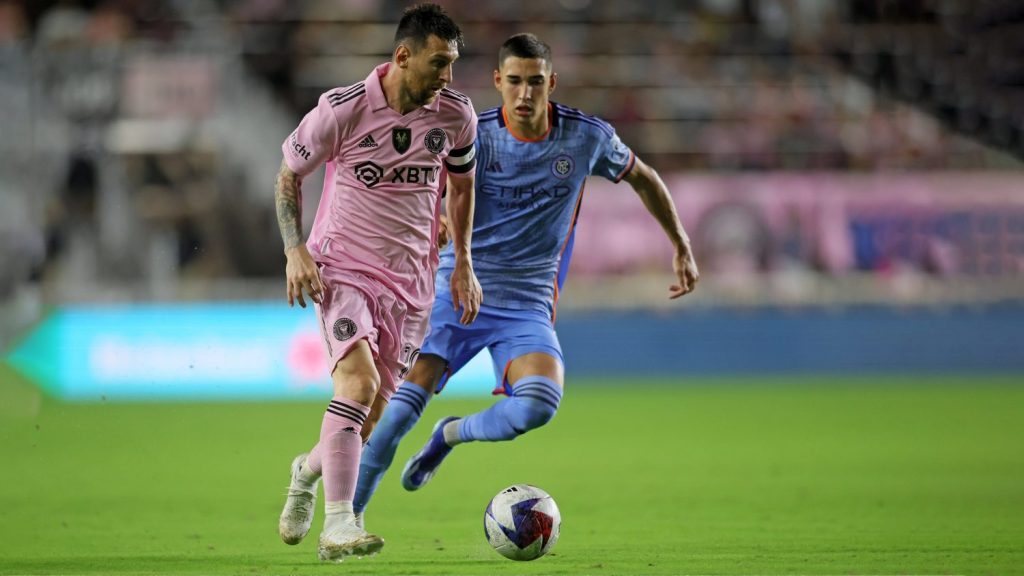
x=368, y=173
x=414, y=174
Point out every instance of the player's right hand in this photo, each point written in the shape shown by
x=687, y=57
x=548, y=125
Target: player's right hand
x=466, y=291
x=302, y=275
x=686, y=271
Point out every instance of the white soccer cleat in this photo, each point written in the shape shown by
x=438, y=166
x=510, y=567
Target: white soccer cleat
x=347, y=540
x=360, y=522
x=297, y=515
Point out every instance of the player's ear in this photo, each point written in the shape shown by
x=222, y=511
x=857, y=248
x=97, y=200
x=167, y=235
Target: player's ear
x=497, y=79
x=402, y=55
x=552, y=82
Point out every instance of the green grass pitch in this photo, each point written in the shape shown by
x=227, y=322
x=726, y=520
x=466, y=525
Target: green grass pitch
x=879, y=475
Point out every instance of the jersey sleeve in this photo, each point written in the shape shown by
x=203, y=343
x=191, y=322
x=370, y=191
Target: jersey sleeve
x=314, y=141
x=461, y=161
x=614, y=159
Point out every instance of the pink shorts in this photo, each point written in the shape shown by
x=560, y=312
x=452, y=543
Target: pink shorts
x=357, y=307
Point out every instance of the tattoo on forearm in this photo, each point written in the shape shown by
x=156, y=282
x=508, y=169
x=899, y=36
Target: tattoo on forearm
x=288, y=199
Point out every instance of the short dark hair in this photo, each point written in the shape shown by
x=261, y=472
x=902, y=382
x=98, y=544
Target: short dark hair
x=420, y=21
x=524, y=45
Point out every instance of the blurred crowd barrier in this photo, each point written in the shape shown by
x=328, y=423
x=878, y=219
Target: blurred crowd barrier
x=786, y=237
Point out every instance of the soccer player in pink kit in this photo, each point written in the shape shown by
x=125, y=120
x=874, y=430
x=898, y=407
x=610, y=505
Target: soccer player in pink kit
x=389, y=143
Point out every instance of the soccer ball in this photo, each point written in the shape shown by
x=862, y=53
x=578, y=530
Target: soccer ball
x=522, y=522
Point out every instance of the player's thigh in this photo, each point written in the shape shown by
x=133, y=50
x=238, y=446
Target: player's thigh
x=536, y=364
x=450, y=344
x=355, y=375
x=527, y=345
x=347, y=323
x=427, y=371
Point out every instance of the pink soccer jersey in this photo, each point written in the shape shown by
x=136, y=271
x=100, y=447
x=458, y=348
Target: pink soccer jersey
x=381, y=199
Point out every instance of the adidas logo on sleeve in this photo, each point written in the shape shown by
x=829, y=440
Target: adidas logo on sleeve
x=367, y=142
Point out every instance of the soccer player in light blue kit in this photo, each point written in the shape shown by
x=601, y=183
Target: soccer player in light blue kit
x=533, y=157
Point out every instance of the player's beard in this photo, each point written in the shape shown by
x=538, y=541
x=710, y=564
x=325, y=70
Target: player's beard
x=420, y=97
x=424, y=97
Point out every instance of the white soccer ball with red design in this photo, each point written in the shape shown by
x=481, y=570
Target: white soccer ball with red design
x=522, y=522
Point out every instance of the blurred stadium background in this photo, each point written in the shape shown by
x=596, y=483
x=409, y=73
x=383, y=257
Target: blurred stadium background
x=850, y=173
x=824, y=156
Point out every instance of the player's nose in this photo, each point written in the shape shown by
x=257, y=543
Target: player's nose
x=447, y=74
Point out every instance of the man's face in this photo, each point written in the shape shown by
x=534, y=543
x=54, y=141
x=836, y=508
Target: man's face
x=429, y=69
x=525, y=85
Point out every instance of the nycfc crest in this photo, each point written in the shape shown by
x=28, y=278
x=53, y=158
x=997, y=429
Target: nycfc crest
x=401, y=138
x=562, y=165
x=434, y=140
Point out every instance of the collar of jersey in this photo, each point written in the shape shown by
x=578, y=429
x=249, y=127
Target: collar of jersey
x=375, y=92
x=508, y=126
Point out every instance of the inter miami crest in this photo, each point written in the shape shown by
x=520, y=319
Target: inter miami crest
x=434, y=140
x=344, y=329
x=401, y=138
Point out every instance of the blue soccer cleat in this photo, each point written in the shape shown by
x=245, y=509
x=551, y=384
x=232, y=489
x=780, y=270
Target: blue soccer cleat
x=423, y=465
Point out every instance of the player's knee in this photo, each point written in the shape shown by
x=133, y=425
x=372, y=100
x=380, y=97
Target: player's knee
x=538, y=401
x=537, y=414
x=360, y=387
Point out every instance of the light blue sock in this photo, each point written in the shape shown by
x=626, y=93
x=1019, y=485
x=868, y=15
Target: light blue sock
x=402, y=413
x=533, y=403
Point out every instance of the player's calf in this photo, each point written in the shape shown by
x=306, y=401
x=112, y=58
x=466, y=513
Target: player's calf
x=533, y=403
x=401, y=414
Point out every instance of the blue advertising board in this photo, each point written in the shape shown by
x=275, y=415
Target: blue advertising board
x=268, y=351
x=208, y=351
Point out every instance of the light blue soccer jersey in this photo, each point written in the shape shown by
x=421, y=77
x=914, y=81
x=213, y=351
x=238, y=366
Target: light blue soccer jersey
x=528, y=196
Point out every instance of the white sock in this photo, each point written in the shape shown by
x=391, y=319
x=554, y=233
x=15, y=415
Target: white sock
x=338, y=513
x=451, y=433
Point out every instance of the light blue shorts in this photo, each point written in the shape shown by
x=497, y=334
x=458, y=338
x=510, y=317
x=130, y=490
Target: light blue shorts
x=507, y=334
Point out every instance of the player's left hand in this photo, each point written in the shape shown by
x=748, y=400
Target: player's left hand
x=466, y=291
x=686, y=271
x=443, y=236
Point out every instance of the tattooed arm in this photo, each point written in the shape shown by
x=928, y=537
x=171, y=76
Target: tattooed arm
x=301, y=272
